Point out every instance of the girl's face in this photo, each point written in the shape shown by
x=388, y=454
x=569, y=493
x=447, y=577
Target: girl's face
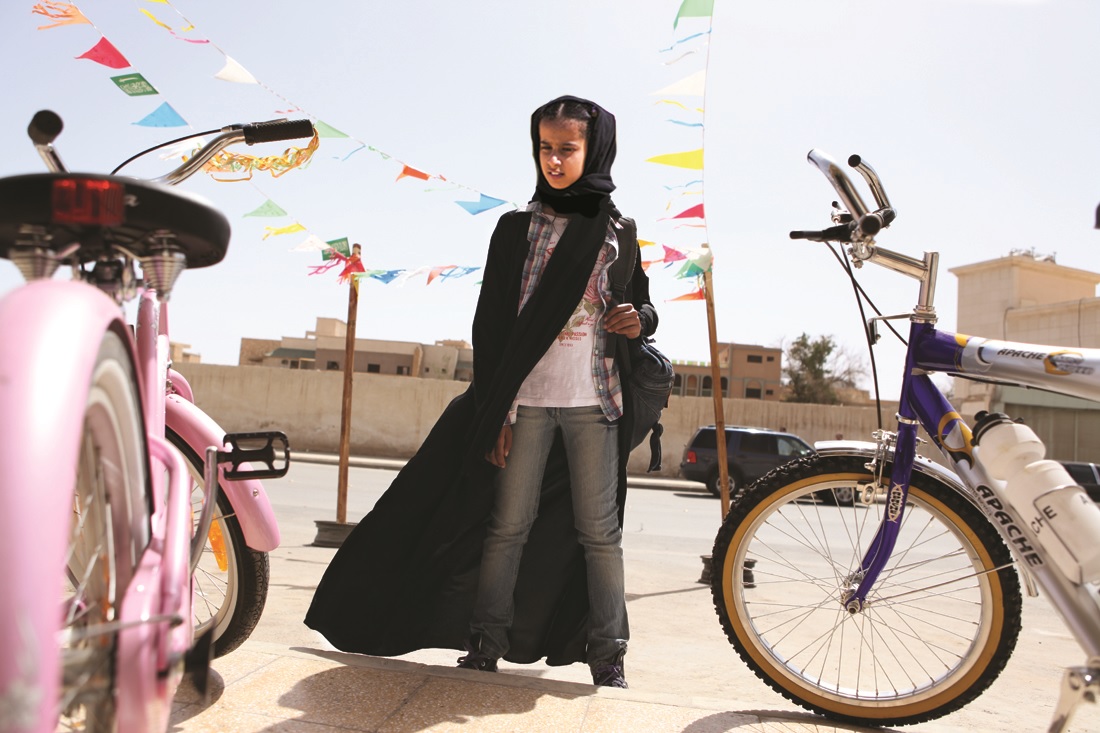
x=562, y=149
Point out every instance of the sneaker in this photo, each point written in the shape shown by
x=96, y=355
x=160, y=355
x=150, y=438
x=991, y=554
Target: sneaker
x=475, y=658
x=610, y=674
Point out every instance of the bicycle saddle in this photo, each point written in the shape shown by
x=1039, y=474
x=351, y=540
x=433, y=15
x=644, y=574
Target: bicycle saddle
x=99, y=212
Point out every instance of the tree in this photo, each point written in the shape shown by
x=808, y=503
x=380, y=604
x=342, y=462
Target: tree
x=816, y=368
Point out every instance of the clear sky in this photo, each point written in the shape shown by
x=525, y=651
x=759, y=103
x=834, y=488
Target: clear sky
x=981, y=116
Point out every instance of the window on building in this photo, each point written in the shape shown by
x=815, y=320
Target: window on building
x=752, y=393
x=294, y=364
x=769, y=391
x=374, y=368
x=403, y=370
x=692, y=389
x=677, y=384
x=708, y=387
x=725, y=387
x=333, y=366
x=771, y=358
x=755, y=359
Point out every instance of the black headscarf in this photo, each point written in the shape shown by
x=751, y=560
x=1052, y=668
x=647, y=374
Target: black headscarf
x=591, y=193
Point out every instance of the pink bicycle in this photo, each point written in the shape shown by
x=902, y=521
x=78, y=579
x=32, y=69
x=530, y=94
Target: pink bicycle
x=116, y=487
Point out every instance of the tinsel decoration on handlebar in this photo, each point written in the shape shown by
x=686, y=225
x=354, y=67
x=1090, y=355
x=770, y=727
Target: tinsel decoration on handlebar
x=242, y=166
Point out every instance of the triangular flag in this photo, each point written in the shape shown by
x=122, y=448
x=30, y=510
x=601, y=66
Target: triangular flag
x=483, y=204
x=153, y=18
x=692, y=159
x=696, y=295
x=162, y=116
x=407, y=172
x=407, y=275
x=458, y=272
x=694, y=9
x=234, y=72
x=695, y=212
x=105, y=53
x=646, y=243
x=673, y=255
x=326, y=130
x=267, y=208
x=692, y=86
x=386, y=276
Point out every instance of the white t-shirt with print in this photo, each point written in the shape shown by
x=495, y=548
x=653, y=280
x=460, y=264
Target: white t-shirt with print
x=563, y=377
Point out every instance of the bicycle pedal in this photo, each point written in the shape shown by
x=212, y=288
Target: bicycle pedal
x=265, y=447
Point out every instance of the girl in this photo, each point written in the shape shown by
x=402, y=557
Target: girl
x=503, y=534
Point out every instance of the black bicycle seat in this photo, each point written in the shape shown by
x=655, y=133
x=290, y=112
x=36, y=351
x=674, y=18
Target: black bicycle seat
x=133, y=214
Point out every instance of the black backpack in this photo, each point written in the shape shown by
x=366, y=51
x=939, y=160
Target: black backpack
x=649, y=371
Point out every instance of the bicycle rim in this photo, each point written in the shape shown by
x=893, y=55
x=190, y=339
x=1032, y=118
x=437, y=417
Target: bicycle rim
x=940, y=623
x=109, y=527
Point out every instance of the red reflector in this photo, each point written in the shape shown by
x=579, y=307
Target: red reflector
x=87, y=201
x=691, y=457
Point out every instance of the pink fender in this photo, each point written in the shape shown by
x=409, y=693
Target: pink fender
x=248, y=497
x=50, y=332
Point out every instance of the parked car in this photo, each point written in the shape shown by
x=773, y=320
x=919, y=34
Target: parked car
x=750, y=453
x=1087, y=476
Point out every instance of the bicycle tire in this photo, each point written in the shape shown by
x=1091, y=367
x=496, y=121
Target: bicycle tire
x=229, y=598
x=109, y=528
x=941, y=623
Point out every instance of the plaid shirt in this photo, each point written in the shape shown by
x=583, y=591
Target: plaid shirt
x=605, y=372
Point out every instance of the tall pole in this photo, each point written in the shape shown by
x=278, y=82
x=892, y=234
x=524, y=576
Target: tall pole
x=716, y=391
x=345, y=412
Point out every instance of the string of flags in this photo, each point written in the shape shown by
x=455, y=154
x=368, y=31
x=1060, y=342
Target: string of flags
x=679, y=99
x=685, y=101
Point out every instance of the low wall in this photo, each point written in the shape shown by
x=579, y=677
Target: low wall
x=392, y=415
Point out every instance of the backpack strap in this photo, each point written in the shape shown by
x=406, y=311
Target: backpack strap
x=622, y=269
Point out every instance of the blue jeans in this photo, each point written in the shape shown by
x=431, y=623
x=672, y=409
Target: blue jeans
x=592, y=451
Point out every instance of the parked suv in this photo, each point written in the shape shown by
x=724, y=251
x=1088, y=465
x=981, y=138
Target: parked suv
x=750, y=453
x=1087, y=476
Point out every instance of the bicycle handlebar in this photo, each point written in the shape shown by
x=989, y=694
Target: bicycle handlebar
x=861, y=224
x=45, y=126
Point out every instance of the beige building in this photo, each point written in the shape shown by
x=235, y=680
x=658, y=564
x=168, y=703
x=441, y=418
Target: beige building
x=325, y=348
x=747, y=372
x=1032, y=299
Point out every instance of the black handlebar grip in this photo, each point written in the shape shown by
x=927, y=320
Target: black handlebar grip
x=266, y=132
x=44, y=128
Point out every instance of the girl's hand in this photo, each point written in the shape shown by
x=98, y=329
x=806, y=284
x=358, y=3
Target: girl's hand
x=503, y=447
x=623, y=319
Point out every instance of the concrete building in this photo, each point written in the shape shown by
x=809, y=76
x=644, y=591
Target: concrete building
x=1030, y=298
x=747, y=372
x=325, y=348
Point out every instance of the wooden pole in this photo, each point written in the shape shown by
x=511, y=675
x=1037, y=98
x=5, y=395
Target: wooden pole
x=345, y=413
x=716, y=390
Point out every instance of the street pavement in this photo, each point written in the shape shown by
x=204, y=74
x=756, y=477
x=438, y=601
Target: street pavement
x=684, y=675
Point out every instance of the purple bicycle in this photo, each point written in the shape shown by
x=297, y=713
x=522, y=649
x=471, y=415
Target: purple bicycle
x=906, y=606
